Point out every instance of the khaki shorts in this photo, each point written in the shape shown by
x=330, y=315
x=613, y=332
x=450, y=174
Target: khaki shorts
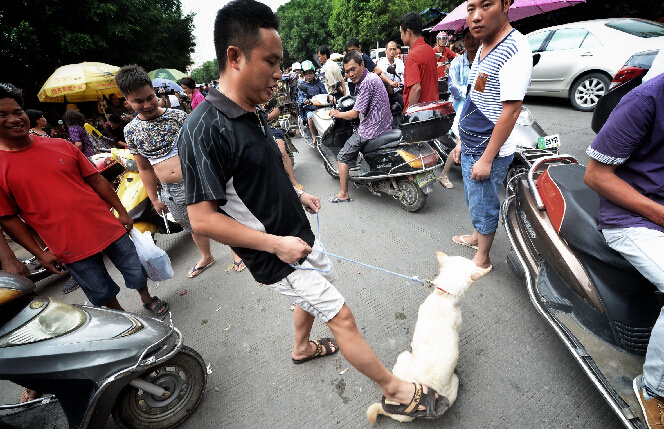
x=313, y=290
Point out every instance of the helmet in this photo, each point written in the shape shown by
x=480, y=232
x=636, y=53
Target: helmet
x=296, y=66
x=442, y=35
x=307, y=65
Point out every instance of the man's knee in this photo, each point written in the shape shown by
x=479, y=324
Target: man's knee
x=343, y=321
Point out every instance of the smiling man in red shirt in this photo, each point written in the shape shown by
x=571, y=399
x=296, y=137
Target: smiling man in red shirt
x=420, y=77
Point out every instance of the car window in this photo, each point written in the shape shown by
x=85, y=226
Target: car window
x=637, y=27
x=642, y=59
x=591, y=41
x=535, y=40
x=566, y=38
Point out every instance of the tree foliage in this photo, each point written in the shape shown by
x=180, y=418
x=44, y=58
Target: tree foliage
x=38, y=36
x=208, y=72
x=304, y=28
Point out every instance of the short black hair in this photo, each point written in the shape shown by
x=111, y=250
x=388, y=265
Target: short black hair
x=132, y=78
x=325, y=50
x=34, y=115
x=7, y=90
x=353, y=41
x=238, y=24
x=189, y=82
x=353, y=56
x=72, y=117
x=412, y=21
x=114, y=119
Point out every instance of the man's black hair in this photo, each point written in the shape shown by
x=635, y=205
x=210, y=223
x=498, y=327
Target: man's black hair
x=72, y=117
x=353, y=41
x=353, y=56
x=238, y=24
x=114, y=119
x=325, y=50
x=34, y=115
x=7, y=90
x=132, y=78
x=412, y=21
x=189, y=82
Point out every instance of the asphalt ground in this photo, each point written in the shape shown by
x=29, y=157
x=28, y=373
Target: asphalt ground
x=514, y=371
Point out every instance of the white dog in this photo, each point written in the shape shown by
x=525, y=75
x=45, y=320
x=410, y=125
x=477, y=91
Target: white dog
x=435, y=346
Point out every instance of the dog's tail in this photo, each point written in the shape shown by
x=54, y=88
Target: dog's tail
x=373, y=411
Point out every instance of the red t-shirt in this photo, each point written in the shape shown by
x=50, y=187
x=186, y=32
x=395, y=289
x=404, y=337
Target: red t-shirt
x=421, y=68
x=44, y=185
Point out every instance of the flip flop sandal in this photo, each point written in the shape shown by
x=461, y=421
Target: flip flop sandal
x=321, y=343
x=459, y=239
x=197, y=270
x=159, y=309
x=239, y=266
x=435, y=407
x=336, y=199
x=446, y=182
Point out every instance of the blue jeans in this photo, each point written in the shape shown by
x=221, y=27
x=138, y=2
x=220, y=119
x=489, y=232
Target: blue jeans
x=95, y=281
x=482, y=196
x=642, y=247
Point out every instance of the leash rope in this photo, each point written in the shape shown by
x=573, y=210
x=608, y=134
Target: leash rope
x=426, y=282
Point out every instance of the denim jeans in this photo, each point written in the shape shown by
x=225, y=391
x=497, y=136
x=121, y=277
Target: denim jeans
x=94, y=279
x=482, y=196
x=642, y=247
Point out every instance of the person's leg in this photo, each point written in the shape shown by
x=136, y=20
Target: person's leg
x=343, y=181
x=346, y=155
x=203, y=245
x=312, y=128
x=96, y=283
x=288, y=165
x=238, y=263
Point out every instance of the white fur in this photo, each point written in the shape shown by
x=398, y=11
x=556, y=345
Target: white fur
x=435, y=345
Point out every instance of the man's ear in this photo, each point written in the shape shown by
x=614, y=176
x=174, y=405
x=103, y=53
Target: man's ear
x=234, y=54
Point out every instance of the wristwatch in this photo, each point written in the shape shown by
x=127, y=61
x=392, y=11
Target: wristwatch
x=299, y=192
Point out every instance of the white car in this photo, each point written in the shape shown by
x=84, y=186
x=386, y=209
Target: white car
x=578, y=60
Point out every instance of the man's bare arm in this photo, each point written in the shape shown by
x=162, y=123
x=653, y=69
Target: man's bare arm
x=414, y=96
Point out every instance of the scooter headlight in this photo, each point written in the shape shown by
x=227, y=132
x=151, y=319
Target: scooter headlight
x=525, y=118
x=55, y=320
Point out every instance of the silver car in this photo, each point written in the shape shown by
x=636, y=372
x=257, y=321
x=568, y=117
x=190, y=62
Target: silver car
x=578, y=60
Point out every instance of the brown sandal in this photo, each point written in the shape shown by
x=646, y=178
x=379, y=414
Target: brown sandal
x=321, y=343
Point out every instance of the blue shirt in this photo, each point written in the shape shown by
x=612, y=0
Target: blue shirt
x=314, y=88
x=633, y=139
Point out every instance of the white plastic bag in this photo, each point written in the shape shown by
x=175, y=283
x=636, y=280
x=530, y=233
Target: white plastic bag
x=156, y=263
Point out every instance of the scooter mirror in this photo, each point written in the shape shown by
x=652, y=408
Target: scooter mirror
x=272, y=103
x=13, y=286
x=391, y=70
x=302, y=87
x=337, y=85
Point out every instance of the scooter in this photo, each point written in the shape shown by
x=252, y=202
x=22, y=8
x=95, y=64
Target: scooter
x=600, y=306
x=399, y=162
x=95, y=361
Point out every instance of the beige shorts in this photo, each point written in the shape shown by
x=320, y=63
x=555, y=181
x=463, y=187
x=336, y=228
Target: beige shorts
x=313, y=290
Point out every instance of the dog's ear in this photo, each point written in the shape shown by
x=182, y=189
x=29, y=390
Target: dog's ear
x=442, y=258
x=479, y=273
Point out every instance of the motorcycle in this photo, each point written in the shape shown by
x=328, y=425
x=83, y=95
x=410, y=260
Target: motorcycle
x=95, y=361
x=600, y=306
x=399, y=162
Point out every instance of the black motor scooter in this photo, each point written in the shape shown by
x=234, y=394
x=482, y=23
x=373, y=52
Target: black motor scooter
x=95, y=361
x=400, y=162
x=602, y=308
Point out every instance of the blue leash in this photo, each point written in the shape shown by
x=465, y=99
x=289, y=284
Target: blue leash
x=327, y=255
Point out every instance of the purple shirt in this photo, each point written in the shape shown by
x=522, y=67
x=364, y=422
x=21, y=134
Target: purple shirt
x=372, y=102
x=633, y=138
x=78, y=134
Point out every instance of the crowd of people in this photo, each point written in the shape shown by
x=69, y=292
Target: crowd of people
x=202, y=168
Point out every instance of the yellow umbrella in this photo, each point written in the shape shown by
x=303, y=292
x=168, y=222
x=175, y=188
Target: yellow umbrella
x=80, y=82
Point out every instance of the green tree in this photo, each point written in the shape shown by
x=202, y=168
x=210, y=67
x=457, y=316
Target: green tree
x=38, y=36
x=208, y=72
x=304, y=28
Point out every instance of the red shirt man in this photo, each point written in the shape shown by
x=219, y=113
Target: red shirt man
x=420, y=74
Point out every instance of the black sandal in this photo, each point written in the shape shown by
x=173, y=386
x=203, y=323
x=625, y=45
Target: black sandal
x=159, y=309
x=435, y=407
x=321, y=343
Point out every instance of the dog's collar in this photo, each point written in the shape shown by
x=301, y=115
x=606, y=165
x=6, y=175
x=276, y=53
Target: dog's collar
x=443, y=290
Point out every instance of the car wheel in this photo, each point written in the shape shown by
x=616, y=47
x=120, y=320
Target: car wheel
x=587, y=91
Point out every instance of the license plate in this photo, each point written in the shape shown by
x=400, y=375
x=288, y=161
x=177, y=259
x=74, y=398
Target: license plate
x=548, y=142
x=425, y=179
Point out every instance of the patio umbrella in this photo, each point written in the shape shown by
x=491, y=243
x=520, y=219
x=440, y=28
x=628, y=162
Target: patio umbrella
x=170, y=74
x=169, y=84
x=80, y=82
x=456, y=20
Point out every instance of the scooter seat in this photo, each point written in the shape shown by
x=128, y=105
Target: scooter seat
x=389, y=136
x=579, y=222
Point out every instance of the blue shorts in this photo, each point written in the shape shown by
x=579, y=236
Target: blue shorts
x=97, y=284
x=278, y=134
x=482, y=196
x=309, y=113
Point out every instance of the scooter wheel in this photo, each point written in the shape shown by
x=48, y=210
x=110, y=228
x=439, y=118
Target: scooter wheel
x=184, y=375
x=412, y=198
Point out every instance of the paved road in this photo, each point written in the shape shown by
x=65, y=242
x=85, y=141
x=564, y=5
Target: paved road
x=513, y=370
